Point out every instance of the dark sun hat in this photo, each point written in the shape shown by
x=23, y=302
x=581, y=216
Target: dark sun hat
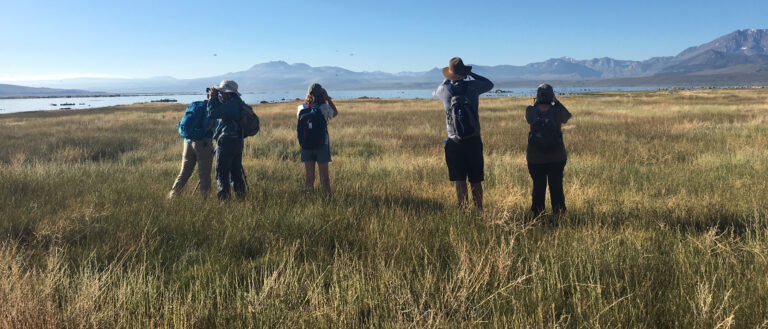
x=456, y=70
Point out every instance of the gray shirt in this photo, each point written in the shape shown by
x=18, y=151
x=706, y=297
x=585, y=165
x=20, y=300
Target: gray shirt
x=474, y=88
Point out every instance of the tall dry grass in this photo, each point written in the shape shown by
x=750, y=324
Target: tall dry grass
x=666, y=224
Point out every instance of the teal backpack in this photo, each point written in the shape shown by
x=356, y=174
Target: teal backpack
x=195, y=124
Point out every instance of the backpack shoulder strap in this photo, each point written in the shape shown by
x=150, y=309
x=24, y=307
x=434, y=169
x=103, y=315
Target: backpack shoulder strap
x=460, y=91
x=306, y=110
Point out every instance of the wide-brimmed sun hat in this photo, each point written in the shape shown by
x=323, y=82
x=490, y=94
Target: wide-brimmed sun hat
x=456, y=70
x=228, y=86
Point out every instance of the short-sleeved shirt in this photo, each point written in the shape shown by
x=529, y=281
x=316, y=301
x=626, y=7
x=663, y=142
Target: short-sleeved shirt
x=327, y=112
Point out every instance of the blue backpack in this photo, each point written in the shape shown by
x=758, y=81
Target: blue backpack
x=195, y=124
x=311, y=128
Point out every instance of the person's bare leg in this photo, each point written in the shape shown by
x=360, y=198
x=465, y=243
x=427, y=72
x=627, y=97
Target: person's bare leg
x=477, y=194
x=461, y=193
x=325, y=179
x=309, y=181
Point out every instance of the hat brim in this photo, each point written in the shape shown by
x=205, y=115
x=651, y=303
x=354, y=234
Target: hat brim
x=453, y=76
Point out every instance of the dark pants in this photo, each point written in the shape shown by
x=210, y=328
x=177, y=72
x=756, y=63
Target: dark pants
x=229, y=165
x=465, y=160
x=541, y=173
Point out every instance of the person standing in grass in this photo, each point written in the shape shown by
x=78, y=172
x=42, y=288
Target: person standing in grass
x=464, y=146
x=225, y=106
x=196, y=129
x=312, y=131
x=546, y=153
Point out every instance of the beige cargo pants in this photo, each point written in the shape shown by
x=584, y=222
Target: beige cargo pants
x=196, y=152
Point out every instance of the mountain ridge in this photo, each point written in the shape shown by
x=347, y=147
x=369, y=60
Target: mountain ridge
x=740, y=52
x=24, y=91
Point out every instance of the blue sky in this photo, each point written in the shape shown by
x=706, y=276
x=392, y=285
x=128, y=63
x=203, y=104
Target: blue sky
x=188, y=39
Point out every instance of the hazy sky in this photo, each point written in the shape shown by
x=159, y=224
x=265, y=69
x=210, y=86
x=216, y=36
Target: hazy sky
x=187, y=39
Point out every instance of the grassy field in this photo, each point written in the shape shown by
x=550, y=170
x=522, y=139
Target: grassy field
x=667, y=223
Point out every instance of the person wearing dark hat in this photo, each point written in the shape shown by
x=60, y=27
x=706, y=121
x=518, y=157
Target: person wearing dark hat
x=225, y=105
x=464, y=147
x=546, y=153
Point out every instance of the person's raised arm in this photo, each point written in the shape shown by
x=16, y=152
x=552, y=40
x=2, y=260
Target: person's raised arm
x=333, y=106
x=530, y=115
x=229, y=110
x=561, y=113
x=213, y=103
x=482, y=84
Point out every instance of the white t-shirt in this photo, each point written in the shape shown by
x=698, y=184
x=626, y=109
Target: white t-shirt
x=327, y=112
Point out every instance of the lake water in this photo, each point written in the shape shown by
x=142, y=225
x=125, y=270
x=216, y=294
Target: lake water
x=38, y=104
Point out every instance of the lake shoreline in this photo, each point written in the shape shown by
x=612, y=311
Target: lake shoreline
x=53, y=103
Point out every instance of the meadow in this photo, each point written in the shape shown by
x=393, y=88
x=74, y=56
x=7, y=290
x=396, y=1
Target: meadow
x=667, y=223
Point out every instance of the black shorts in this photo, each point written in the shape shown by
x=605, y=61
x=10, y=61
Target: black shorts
x=465, y=159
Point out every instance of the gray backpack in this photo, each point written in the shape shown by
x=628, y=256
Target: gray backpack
x=460, y=116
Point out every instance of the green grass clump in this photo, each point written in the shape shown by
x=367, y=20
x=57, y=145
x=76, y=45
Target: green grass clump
x=666, y=224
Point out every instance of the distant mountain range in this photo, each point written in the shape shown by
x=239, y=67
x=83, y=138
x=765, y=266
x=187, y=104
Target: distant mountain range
x=22, y=91
x=739, y=57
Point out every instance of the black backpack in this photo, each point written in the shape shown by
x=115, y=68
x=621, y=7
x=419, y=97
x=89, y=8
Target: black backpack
x=545, y=134
x=311, y=128
x=249, y=121
x=460, y=116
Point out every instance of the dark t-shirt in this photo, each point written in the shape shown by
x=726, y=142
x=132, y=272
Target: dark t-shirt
x=556, y=155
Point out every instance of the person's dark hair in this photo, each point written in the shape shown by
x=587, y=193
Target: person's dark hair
x=316, y=95
x=315, y=99
x=544, y=94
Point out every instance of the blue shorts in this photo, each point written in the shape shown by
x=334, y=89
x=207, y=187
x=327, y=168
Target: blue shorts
x=320, y=155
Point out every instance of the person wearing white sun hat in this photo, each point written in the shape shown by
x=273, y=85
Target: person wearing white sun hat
x=224, y=105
